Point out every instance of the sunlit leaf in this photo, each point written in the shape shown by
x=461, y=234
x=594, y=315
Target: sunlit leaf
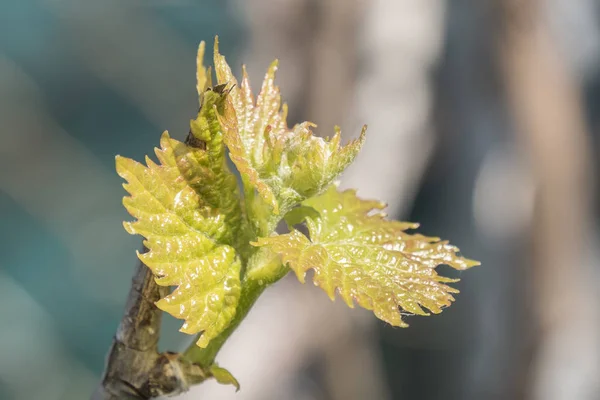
x=285, y=166
x=201, y=74
x=368, y=259
x=188, y=209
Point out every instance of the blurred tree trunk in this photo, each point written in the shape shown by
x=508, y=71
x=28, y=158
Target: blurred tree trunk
x=547, y=108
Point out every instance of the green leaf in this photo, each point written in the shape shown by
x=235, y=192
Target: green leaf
x=369, y=260
x=284, y=166
x=188, y=209
x=298, y=215
x=224, y=377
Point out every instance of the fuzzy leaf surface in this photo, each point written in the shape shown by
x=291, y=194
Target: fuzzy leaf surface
x=284, y=166
x=369, y=260
x=188, y=208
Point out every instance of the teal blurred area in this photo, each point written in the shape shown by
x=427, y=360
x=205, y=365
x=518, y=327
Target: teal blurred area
x=82, y=81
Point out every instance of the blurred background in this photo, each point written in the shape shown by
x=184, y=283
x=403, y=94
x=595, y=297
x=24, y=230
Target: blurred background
x=483, y=117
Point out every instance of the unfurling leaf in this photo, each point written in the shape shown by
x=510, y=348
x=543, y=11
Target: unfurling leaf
x=285, y=166
x=188, y=209
x=224, y=377
x=369, y=260
x=202, y=75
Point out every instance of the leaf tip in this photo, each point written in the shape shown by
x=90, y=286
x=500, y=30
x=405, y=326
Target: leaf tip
x=202, y=340
x=363, y=132
x=200, y=70
x=121, y=164
x=300, y=274
x=129, y=229
x=201, y=48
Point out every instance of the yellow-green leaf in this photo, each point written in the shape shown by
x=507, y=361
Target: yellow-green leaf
x=224, y=377
x=187, y=207
x=285, y=166
x=201, y=74
x=368, y=259
x=206, y=171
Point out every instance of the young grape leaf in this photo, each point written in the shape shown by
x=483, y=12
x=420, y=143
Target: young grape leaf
x=224, y=377
x=284, y=165
x=188, y=209
x=369, y=260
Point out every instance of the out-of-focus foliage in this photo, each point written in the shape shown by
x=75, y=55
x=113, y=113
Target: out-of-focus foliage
x=369, y=260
